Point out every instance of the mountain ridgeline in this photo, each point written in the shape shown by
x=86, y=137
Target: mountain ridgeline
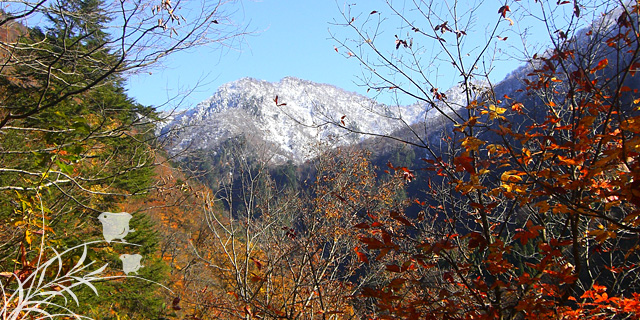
x=292, y=121
x=305, y=115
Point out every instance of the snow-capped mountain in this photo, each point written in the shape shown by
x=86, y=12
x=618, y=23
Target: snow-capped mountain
x=292, y=117
x=304, y=115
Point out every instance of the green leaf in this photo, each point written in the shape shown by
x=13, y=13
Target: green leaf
x=68, y=169
x=81, y=127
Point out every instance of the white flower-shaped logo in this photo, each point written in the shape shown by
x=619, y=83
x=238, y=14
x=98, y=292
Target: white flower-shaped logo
x=115, y=225
x=131, y=263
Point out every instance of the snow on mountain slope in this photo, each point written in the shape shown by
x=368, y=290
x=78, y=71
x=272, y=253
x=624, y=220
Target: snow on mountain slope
x=294, y=126
x=305, y=112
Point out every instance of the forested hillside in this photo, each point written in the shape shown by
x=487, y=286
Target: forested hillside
x=73, y=145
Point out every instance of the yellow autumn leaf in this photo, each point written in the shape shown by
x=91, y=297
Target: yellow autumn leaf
x=27, y=236
x=495, y=148
x=472, y=143
x=497, y=110
x=510, y=176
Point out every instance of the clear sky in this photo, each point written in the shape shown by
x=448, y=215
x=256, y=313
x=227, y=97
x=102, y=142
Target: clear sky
x=291, y=39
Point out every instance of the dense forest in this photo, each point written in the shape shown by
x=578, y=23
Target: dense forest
x=518, y=202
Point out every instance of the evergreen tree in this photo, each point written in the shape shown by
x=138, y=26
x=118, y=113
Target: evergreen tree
x=74, y=145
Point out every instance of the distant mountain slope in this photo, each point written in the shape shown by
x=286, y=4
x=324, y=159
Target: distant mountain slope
x=302, y=117
x=290, y=128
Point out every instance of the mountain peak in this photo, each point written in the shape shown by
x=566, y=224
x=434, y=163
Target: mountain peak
x=292, y=128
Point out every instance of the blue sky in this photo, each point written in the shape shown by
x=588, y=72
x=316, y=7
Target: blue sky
x=291, y=38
